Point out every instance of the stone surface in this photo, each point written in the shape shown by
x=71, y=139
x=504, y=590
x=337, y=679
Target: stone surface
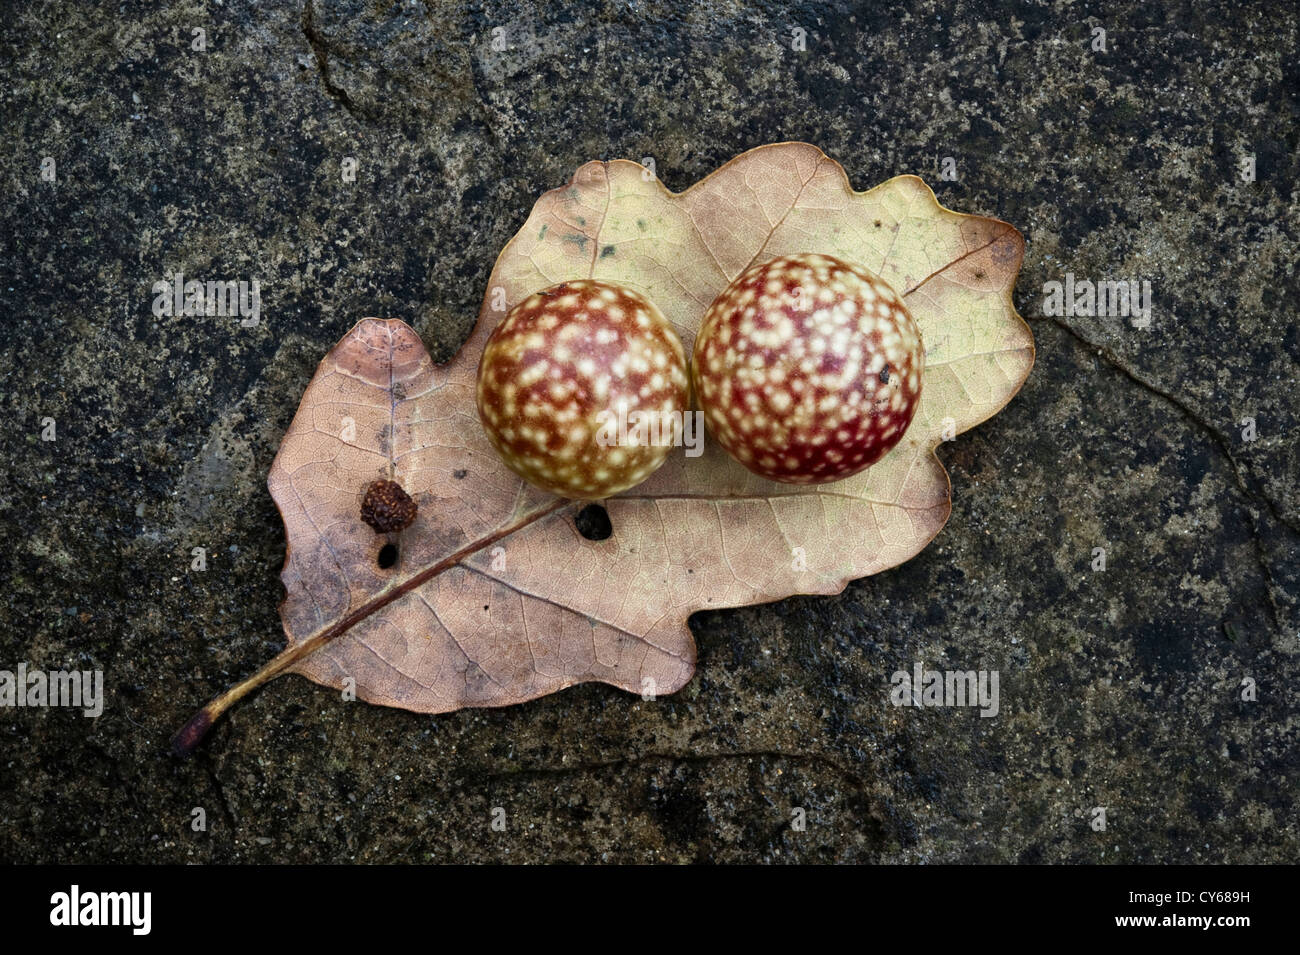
x=1119, y=688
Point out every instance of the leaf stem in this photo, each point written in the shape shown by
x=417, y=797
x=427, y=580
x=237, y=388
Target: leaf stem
x=191, y=734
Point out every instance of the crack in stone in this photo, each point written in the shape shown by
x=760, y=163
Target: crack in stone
x=1261, y=558
x=1189, y=412
x=540, y=772
x=320, y=53
x=484, y=110
x=227, y=813
x=321, y=49
x=688, y=758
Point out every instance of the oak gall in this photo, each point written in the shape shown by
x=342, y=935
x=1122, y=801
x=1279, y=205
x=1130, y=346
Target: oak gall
x=808, y=368
x=387, y=508
x=582, y=388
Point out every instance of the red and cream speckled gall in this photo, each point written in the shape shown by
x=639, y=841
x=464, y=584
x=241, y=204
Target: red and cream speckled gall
x=566, y=363
x=808, y=368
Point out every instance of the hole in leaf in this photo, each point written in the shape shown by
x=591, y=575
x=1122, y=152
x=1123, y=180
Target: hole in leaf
x=593, y=523
x=387, y=556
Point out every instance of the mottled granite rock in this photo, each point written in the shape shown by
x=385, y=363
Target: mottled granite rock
x=1120, y=688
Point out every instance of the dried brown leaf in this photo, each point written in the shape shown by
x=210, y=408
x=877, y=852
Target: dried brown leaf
x=495, y=598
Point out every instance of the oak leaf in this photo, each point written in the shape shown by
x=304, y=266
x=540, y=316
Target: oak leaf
x=492, y=596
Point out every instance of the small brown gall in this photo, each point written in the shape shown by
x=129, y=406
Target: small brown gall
x=387, y=508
